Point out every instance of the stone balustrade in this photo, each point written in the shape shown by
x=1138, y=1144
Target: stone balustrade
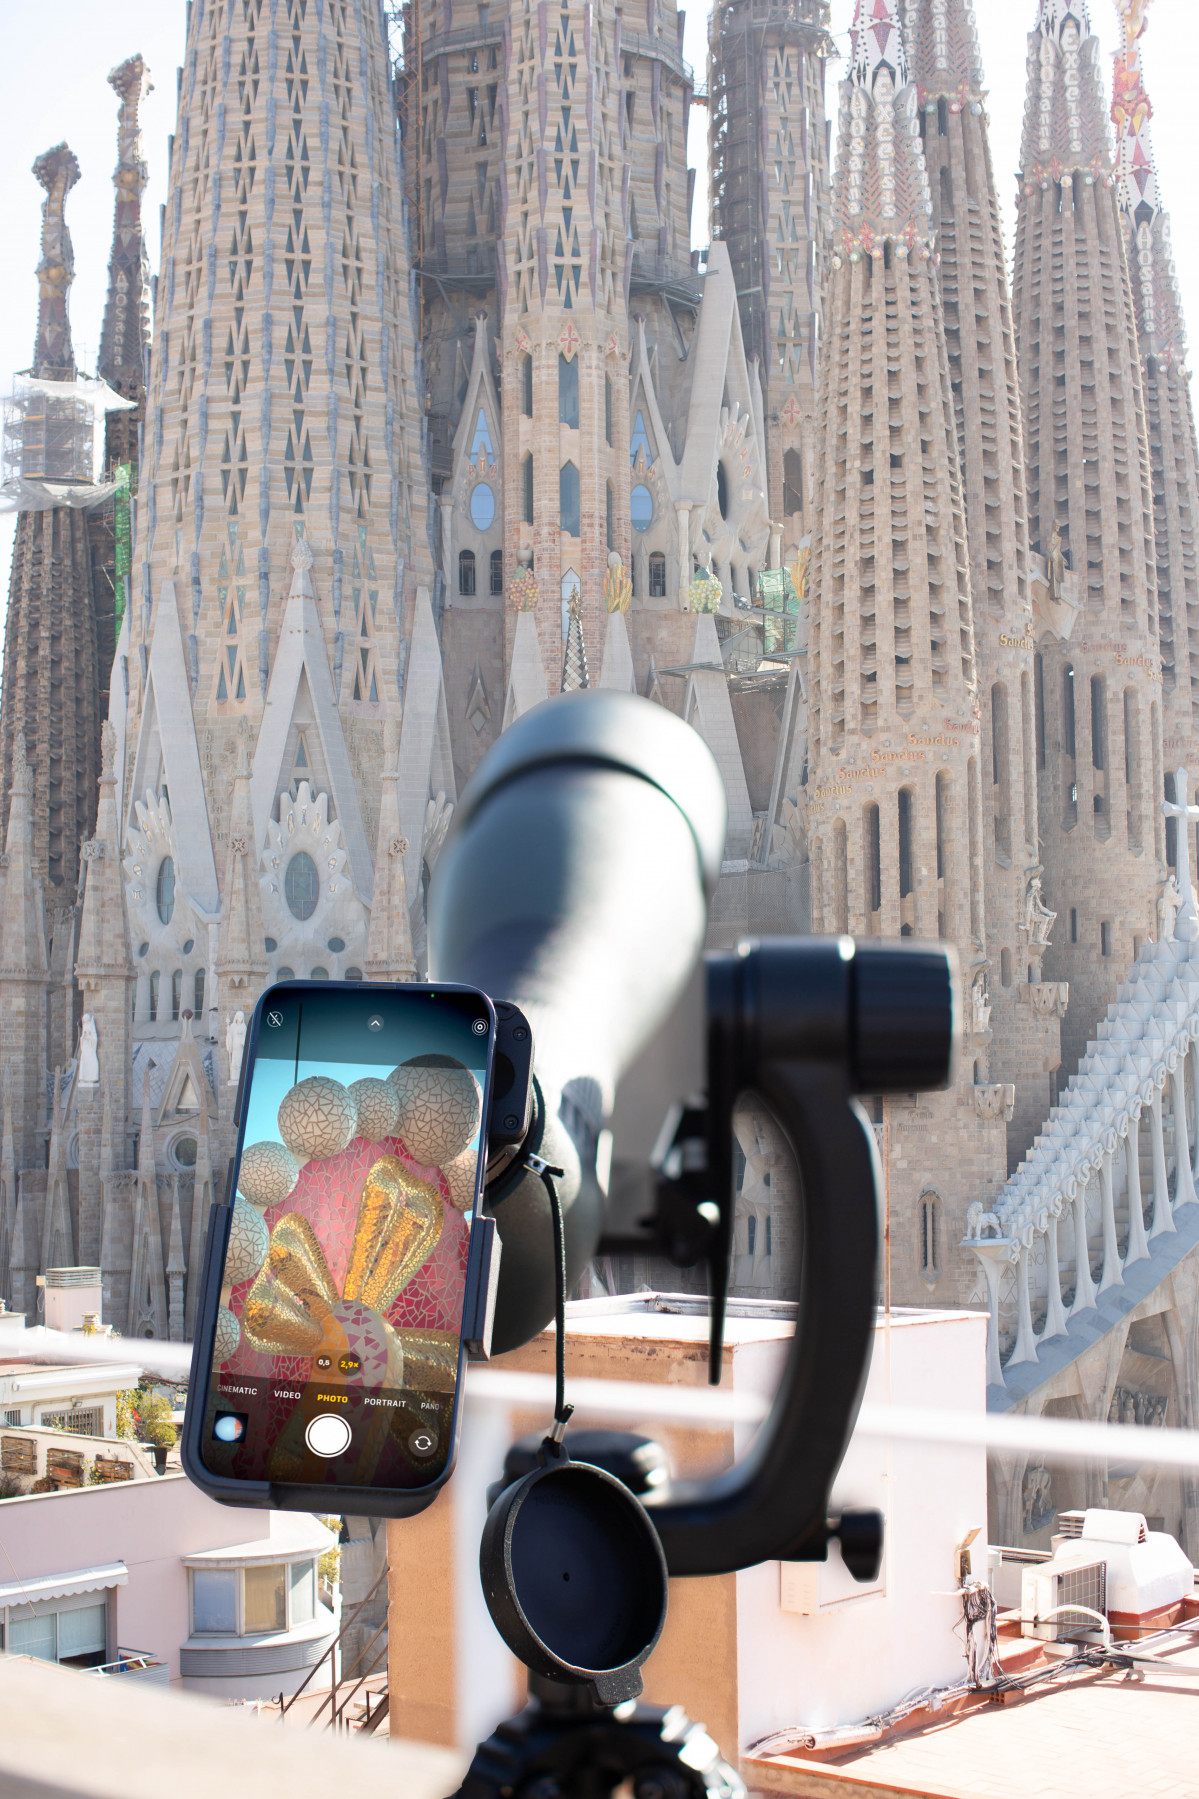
x=1058, y=1227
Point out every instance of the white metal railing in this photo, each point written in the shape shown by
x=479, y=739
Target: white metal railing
x=1063, y=1202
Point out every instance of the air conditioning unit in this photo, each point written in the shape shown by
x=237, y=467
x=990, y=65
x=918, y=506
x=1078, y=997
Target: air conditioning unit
x=1046, y=1588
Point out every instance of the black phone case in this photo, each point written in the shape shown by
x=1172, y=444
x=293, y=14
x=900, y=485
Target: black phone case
x=352, y=1501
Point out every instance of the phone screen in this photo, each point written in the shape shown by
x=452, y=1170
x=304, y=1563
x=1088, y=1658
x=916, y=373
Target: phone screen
x=337, y=1349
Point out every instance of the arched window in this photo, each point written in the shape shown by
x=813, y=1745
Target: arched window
x=1001, y=769
x=930, y=1225
x=905, y=842
x=176, y=994
x=155, y=980
x=466, y=571
x=568, y=391
x=792, y=482
x=840, y=876
x=497, y=571
x=607, y=409
x=568, y=499
x=1005, y=967
x=874, y=860
x=198, y=992
x=610, y=515
x=526, y=385
x=301, y=886
x=528, y=488
x=657, y=575
x=164, y=890
x=319, y=974
x=943, y=871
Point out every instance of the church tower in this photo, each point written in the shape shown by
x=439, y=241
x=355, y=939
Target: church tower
x=124, y=345
x=771, y=204
x=1169, y=410
x=895, y=812
x=51, y=696
x=595, y=427
x=1098, y=694
x=282, y=547
x=980, y=340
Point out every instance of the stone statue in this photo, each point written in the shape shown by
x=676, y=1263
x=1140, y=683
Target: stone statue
x=978, y=1219
x=1169, y=904
x=980, y=1006
x=89, y=1053
x=235, y=1043
x=1038, y=919
x=1038, y=1484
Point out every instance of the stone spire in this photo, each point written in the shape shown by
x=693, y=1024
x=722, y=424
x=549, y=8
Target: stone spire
x=1023, y=1044
x=147, y=1283
x=1065, y=115
x=104, y=971
x=574, y=657
x=51, y=682
x=8, y=1198
x=24, y=972
x=1168, y=406
x=23, y=1258
x=125, y=333
x=894, y=812
x=771, y=204
x=389, y=942
x=943, y=53
x=241, y=967
x=53, y=353
x=1090, y=512
x=176, y=1269
x=58, y=1247
x=202, y=1199
x=882, y=183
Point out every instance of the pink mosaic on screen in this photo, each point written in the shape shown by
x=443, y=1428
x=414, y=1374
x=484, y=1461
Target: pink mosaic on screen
x=327, y=1195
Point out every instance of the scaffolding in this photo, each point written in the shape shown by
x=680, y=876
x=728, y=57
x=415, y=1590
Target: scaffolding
x=49, y=432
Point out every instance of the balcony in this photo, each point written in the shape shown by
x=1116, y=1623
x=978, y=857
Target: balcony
x=471, y=37
x=472, y=271
x=135, y=1664
x=659, y=49
x=653, y=273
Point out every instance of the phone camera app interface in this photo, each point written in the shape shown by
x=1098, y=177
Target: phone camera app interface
x=338, y=1336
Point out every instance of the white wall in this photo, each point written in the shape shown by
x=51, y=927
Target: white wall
x=862, y=1654
x=147, y=1524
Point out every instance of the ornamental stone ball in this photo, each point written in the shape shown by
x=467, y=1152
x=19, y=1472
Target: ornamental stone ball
x=267, y=1174
x=317, y=1118
x=440, y=1106
x=249, y=1241
x=378, y=1106
x=228, y=1336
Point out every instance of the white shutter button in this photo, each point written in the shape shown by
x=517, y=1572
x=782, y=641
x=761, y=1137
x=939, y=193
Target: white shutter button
x=328, y=1434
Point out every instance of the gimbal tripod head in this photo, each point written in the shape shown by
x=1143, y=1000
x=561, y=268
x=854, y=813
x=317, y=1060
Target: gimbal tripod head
x=575, y=883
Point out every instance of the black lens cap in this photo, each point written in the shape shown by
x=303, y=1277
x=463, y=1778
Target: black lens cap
x=575, y=1578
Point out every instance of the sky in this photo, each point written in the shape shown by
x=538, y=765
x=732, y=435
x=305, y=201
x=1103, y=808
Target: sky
x=47, y=95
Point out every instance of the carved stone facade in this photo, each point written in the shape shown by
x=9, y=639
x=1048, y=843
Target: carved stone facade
x=1098, y=689
x=446, y=416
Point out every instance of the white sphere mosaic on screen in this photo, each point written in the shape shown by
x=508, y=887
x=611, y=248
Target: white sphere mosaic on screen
x=460, y=1178
x=317, y=1118
x=439, y=1110
x=267, y=1174
x=378, y=1107
x=228, y=1336
x=249, y=1241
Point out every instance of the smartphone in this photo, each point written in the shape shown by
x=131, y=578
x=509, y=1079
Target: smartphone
x=329, y=1344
